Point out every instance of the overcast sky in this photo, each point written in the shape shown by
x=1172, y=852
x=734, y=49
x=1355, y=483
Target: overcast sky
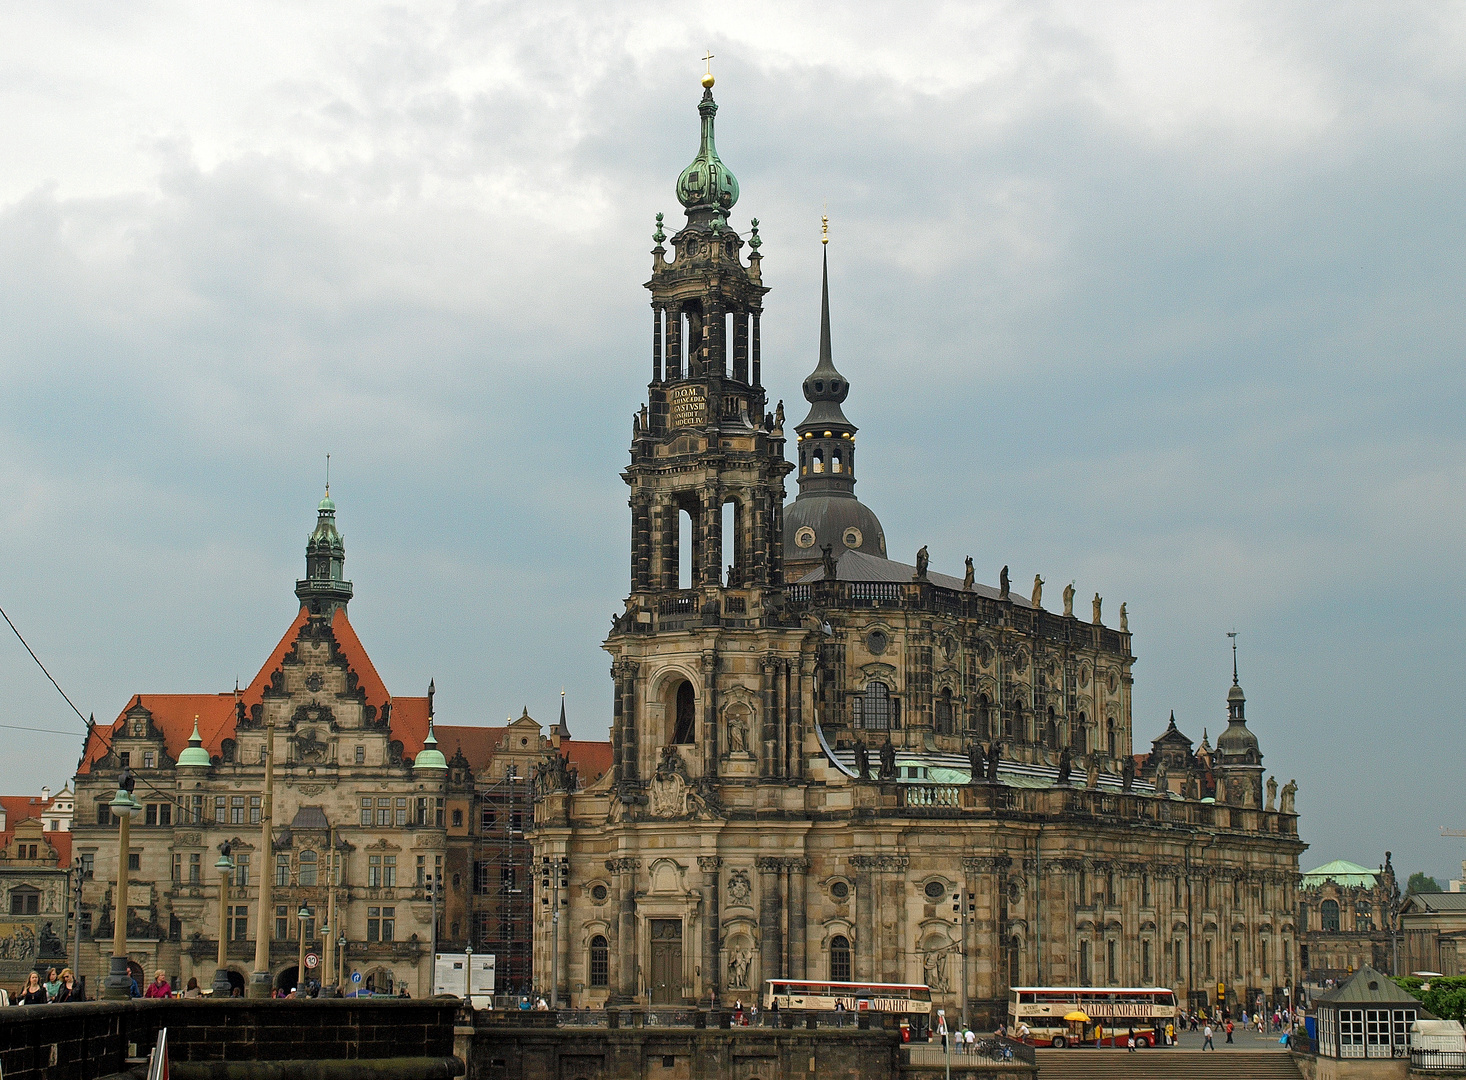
x=1165, y=299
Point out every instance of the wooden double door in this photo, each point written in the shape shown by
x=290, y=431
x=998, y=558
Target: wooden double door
x=666, y=945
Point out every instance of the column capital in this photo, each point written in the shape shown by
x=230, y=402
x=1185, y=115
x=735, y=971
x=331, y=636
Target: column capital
x=625, y=865
x=709, y=864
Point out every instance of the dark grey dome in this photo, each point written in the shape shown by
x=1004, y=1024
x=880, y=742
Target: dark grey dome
x=830, y=518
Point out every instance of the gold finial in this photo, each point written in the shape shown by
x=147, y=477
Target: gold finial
x=707, y=80
x=824, y=228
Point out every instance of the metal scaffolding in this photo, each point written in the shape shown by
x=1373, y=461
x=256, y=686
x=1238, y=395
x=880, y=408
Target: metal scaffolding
x=503, y=882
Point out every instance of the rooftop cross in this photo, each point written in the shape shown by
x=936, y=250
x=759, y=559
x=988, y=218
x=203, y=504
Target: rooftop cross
x=1233, y=635
x=707, y=80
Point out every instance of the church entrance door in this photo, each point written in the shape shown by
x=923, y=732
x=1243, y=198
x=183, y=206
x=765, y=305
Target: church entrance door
x=666, y=961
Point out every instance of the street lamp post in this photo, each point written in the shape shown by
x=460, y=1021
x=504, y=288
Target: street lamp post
x=77, y=880
x=341, y=960
x=119, y=983
x=260, y=979
x=328, y=957
x=303, y=914
x=225, y=866
x=435, y=886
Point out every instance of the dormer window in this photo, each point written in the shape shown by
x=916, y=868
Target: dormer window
x=150, y=759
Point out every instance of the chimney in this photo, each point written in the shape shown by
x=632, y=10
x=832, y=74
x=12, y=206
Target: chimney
x=45, y=794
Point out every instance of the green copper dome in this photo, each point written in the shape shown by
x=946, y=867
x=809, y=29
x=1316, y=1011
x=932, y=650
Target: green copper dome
x=707, y=188
x=194, y=754
x=431, y=757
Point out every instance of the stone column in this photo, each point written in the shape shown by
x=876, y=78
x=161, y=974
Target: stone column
x=895, y=946
x=641, y=542
x=865, y=930
x=626, y=955
x=710, y=713
x=623, y=706
x=674, y=344
x=757, y=359
x=767, y=736
x=770, y=945
x=656, y=344
x=740, y=346
x=798, y=904
x=712, y=928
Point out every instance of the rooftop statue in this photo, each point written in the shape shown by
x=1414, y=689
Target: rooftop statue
x=1272, y=792
x=1124, y=619
x=995, y=757
x=1069, y=599
x=1003, y=584
x=1097, y=603
x=921, y=562
x=862, y=761
x=1290, y=789
x=967, y=578
x=1038, y=591
x=1066, y=767
x=974, y=762
x=888, y=760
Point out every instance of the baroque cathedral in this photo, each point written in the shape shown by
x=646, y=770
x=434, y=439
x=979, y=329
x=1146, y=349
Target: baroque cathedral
x=826, y=764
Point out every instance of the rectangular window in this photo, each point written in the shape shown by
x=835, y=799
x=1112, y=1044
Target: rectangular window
x=1111, y=971
x=196, y=811
x=1236, y=959
x=307, y=876
x=241, y=870
x=150, y=759
x=282, y=871
x=366, y=813
x=361, y=755
x=438, y=813
x=1145, y=972
x=389, y=923
x=1262, y=959
x=389, y=871
x=255, y=809
x=458, y=819
x=177, y=867
x=1206, y=952
x=421, y=816
x=422, y=870
x=236, y=810
x=87, y=866
x=124, y=758
x=282, y=922
x=400, y=813
x=104, y=814
x=239, y=923
x=1085, y=978
x=374, y=871
x=310, y=928
x=374, y=924
x=150, y=814
x=384, y=813
x=220, y=814
x=134, y=860
x=165, y=813
x=1145, y=890
x=195, y=867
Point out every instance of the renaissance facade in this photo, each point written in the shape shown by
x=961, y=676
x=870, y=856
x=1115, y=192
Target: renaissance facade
x=828, y=764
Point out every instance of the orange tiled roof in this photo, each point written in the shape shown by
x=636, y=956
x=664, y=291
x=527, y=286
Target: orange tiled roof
x=173, y=714
x=20, y=808
x=60, y=841
x=591, y=759
x=477, y=743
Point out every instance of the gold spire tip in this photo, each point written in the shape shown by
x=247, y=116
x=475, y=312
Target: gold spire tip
x=824, y=228
x=708, y=80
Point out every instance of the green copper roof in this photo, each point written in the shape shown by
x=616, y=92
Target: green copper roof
x=707, y=185
x=431, y=757
x=194, y=753
x=1342, y=872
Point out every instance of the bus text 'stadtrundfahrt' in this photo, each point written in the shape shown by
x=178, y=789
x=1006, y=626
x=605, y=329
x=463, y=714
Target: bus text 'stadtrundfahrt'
x=1112, y=1013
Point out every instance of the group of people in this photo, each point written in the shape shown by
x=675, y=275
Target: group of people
x=56, y=989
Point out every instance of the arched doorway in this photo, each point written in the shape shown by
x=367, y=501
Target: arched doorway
x=236, y=982
x=684, y=729
x=287, y=978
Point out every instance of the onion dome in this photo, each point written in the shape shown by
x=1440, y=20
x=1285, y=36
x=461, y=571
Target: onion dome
x=431, y=758
x=194, y=755
x=707, y=187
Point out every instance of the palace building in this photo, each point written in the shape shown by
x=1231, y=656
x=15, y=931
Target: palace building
x=829, y=764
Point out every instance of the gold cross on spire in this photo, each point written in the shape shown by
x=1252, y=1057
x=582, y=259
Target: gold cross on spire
x=707, y=80
x=825, y=229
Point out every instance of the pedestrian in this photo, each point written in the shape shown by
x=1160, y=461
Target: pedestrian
x=32, y=993
x=1229, y=1031
x=192, y=990
x=53, y=985
x=159, y=987
x=1170, y=1034
x=1206, y=1043
x=70, y=991
x=969, y=1039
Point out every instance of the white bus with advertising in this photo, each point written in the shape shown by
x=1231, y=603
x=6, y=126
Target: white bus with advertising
x=1091, y=1015
x=826, y=996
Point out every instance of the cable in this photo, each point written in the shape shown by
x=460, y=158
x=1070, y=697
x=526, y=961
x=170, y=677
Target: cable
x=44, y=672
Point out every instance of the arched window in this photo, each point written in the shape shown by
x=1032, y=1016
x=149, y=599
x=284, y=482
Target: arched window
x=1086, y=976
x=1015, y=961
x=944, y=712
x=874, y=707
x=686, y=714
x=984, y=715
x=307, y=867
x=839, y=959
x=1114, y=747
x=1051, y=731
x=1014, y=721
x=1076, y=736
x=600, y=962
x=835, y=461
x=819, y=460
x=1328, y=915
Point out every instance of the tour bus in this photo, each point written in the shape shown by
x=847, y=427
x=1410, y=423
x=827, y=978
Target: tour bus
x=829, y=996
x=1091, y=1015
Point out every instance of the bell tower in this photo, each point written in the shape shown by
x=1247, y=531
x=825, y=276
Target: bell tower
x=706, y=476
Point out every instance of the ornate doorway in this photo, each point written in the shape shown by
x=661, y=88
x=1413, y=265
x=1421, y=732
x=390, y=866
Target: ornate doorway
x=666, y=961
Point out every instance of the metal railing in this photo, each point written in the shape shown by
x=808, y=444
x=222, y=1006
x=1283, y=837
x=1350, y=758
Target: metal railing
x=1437, y=1059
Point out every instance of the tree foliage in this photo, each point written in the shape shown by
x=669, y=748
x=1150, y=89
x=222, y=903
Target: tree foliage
x=1446, y=997
x=1421, y=882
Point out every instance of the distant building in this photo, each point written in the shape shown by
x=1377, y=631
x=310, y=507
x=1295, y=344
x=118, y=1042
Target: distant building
x=34, y=888
x=1433, y=933
x=1344, y=920
x=58, y=809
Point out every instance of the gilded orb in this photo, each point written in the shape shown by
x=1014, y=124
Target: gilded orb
x=707, y=80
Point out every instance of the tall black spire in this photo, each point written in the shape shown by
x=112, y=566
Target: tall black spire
x=324, y=587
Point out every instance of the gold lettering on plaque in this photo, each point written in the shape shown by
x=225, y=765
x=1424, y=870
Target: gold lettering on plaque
x=688, y=406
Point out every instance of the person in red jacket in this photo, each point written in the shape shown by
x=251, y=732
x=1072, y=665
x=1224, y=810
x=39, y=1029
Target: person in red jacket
x=159, y=987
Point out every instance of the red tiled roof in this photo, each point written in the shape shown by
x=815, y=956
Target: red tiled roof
x=591, y=759
x=20, y=808
x=477, y=743
x=173, y=714
x=60, y=841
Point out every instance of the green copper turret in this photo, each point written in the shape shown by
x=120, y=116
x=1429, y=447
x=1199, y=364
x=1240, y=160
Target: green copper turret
x=707, y=187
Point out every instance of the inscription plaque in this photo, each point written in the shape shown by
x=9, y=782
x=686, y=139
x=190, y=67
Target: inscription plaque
x=688, y=406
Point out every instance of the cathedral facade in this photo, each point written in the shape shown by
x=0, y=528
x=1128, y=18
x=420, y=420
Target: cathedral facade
x=827, y=764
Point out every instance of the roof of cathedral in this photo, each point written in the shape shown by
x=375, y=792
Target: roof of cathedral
x=173, y=714
x=480, y=744
x=1341, y=872
x=859, y=566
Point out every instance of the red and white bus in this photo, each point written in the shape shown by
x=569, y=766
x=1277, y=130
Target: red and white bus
x=829, y=996
x=1112, y=1012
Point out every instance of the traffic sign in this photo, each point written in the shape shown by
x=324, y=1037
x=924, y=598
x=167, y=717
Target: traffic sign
x=311, y=959
x=356, y=976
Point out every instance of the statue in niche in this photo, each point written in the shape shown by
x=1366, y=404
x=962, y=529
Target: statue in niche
x=1038, y=591
x=1066, y=767
x=934, y=968
x=1127, y=773
x=1003, y=584
x=888, y=759
x=921, y=562
x=737, y=732
x=1097, y=602
x=1124, y=619
x=862, y=761
x=975, y=763
x=1272, y=792
x=827, y=559
x=738, y=965
x=968, y=577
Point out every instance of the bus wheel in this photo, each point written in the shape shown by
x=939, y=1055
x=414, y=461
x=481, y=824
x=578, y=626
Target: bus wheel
x=1059, y=1042
x=1141, y=1042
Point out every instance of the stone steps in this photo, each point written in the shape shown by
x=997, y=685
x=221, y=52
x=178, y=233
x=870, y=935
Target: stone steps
x=1167, y=1064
